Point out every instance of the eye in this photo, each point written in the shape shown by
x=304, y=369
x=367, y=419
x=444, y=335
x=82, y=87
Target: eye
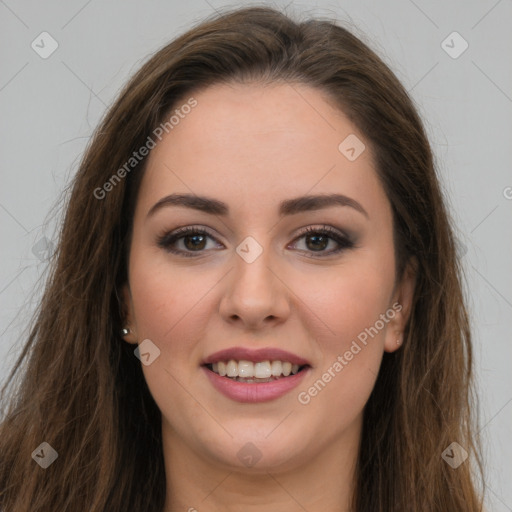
x=316, y=240
x=195, y=240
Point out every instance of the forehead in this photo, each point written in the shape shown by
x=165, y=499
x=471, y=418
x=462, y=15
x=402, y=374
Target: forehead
x=251, y=144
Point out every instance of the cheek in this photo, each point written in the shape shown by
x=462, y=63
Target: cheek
x=353, y=308
x=170, y=310
x=166, y=296
x=349, y=301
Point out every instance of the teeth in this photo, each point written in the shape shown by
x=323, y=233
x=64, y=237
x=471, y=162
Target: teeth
x=245, y=369
x=262, y=370
x=276, y=368
x=232, y=369
x=265, y=370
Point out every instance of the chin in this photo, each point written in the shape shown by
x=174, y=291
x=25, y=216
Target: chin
x=259, y=449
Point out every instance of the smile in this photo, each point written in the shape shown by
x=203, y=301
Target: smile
x=254, y=372
x=253, y=389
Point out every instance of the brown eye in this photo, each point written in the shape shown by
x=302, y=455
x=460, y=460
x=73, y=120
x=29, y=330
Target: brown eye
x=317, y=242
x=194, y=242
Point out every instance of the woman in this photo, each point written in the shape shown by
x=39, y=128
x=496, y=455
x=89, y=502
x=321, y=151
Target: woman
x=256, y=301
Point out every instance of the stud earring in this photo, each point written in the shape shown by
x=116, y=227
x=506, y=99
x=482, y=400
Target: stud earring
x=125, y=331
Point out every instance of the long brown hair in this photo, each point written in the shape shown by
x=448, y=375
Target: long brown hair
x=82, y=390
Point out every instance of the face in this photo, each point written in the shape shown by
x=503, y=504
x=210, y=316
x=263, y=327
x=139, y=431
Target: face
x=261, y=272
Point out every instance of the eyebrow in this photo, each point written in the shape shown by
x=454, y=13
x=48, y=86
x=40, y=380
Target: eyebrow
x=287, y=207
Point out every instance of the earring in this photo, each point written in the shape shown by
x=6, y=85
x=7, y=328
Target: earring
x=125, y=331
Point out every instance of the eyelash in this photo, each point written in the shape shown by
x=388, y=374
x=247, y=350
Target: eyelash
x=166, y=240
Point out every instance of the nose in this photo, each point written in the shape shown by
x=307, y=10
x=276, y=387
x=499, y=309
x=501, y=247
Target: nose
x=255, y=295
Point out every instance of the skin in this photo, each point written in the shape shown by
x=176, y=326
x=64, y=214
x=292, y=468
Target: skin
x=253, y=146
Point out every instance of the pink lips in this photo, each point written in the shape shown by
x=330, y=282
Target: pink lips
x=255, y=392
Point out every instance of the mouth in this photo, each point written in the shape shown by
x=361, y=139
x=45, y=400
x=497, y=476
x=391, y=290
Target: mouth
x=251, y=376
x=255, y=372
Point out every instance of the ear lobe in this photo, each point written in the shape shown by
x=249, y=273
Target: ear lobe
x=402, y=305
x=128, y=317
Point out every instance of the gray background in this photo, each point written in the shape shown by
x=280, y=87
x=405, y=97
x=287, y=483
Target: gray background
x=49, y=108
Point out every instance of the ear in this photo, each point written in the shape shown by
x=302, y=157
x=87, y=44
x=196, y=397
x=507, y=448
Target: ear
x=128, y=316
x=401, y=304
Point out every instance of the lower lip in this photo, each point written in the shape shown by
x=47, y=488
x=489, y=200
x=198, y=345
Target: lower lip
x=254, y=392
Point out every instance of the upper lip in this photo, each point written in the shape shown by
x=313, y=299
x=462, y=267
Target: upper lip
x=261, y=354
